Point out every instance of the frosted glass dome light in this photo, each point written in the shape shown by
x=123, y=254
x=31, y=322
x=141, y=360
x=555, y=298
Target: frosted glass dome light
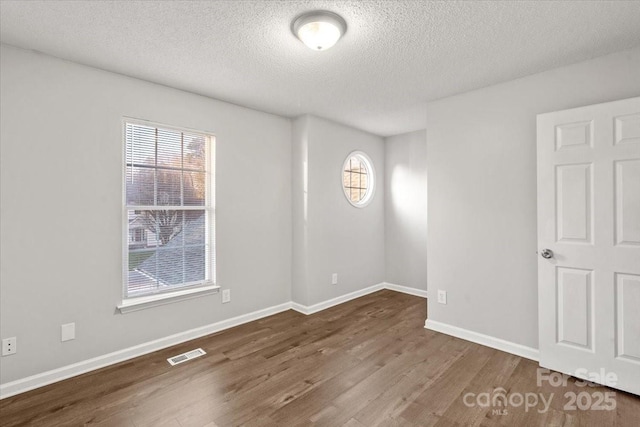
x=319, y=30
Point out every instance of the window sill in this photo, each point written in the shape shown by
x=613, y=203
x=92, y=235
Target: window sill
x=140, y=303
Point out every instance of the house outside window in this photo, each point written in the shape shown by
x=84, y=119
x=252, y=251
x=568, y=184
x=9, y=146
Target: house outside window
x=137, y=235
x=168, y=203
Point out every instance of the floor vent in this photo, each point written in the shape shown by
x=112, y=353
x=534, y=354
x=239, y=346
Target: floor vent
x=175, y=360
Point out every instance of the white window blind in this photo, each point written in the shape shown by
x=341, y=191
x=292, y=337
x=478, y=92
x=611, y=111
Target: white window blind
x=169, y=234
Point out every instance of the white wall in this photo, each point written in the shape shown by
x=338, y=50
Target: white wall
x=61, y=171
x=481, y=163
x=300, y=254
x=332, y=236
x=405, y=218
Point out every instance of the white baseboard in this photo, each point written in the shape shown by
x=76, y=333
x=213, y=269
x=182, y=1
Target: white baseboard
x=406, y=290
x=486, y=340
x=55, y=375
x=310, y=309
x=45, y=378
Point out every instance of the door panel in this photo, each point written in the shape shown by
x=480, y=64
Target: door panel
x=627, y=129
x=574, y=196
x=573, y=135
x=589, y=216
x=627, y=202
x=574, y=307
x=628, y=316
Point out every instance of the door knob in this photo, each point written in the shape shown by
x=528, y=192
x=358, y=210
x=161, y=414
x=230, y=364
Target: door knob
x=546, y=253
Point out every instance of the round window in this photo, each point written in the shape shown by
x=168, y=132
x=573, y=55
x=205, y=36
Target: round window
x=358, y=179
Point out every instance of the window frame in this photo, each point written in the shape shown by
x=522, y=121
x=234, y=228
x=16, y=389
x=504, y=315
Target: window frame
x=371, y=179
x=183, y=291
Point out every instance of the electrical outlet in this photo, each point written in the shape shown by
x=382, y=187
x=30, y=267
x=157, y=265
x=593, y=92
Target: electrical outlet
x=442, y=296
x=9, y=346
x=334, y=279
x=226, y=296
x=68, y=332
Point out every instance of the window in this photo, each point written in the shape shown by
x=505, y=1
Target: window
x=358, y=179
x=169, y=234
x=137, y=235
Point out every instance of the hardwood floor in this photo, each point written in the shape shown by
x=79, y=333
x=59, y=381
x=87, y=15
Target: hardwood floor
x=363, y=363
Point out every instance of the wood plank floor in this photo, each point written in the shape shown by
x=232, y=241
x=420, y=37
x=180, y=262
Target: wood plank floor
x=367, y=362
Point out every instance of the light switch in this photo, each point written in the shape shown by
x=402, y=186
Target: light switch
x=68, y=332
x=442, y=296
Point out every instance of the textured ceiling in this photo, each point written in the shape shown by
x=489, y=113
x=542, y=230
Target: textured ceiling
x=395, y=56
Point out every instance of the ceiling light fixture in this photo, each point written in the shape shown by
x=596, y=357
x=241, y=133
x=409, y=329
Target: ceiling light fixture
x=320, y=29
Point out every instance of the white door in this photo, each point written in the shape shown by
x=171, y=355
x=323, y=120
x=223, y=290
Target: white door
x=589, y=242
